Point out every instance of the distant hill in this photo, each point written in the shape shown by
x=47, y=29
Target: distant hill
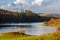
x=24, y=16
x=50, y=15
x=54, y=15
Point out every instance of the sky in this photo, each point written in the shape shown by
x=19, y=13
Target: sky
x=39, y=6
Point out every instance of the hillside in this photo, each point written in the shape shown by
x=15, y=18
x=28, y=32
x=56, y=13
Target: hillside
x=24, y=16
x=5, y=11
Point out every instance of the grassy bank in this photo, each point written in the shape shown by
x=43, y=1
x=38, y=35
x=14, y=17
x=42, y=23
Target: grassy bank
x=8, y=36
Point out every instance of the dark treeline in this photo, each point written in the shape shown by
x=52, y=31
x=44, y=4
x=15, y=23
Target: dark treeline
x=26, y=16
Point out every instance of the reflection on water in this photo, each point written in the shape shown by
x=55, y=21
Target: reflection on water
x=31, y=29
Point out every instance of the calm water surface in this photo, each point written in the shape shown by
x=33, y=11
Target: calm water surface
x=30, y=28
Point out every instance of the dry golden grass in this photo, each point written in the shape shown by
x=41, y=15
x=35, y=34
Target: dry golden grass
x=50, y=36
x=53, y=22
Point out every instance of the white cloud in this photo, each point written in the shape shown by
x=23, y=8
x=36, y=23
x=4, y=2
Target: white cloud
x=9, y=5
x=21, y=1
x=26, y=2
x=43, y=6
x=37, y=2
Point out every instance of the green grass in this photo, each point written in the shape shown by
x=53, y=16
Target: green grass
x=53, y=36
